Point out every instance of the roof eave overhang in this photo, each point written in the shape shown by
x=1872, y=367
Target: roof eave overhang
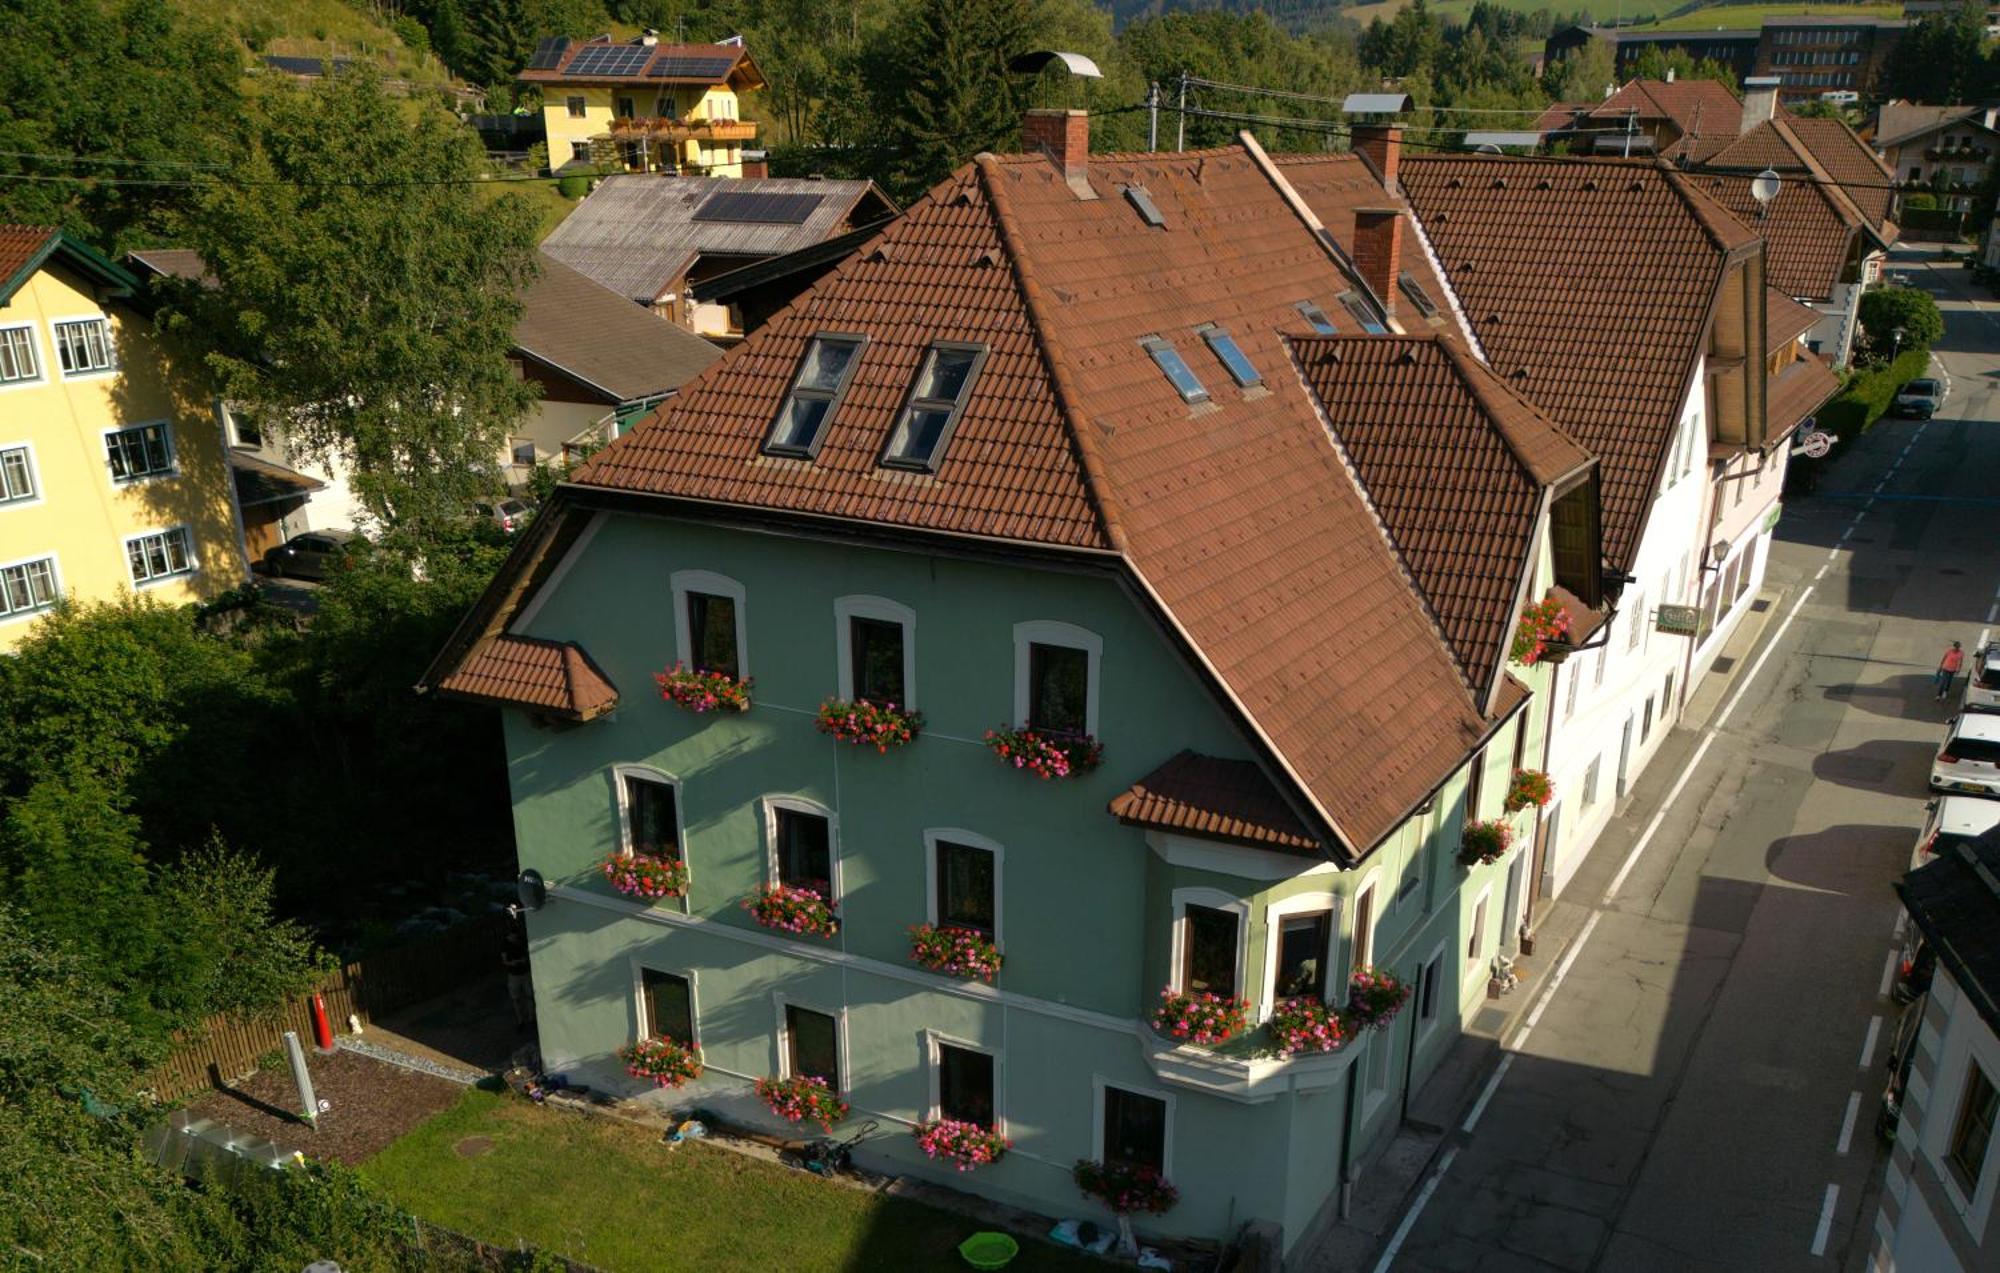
x=1304, y=854
x=78, y=256
x=539, y=709
x=610, y=395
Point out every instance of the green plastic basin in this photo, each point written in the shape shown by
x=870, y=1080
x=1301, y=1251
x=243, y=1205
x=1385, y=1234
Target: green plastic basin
x=989, y=1250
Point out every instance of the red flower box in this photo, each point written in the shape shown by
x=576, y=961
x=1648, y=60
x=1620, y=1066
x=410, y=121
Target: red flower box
x=1124, y=1188
x=648, y=876
x=1484, y=842
x=1200, y=1018
x=1541, y=623
x=967, y=1144
x=701, y=690
x=799, y=1099
x=1529, y=787
x=1374, y=997
x=793, y=910
x=1308, y=1024
x=1045, y=755
x=877, y=725
x=662, y=1061
x=954, y=951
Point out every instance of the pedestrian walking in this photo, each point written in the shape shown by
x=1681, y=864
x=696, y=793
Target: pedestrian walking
x=1954, y=659
x=520, y=990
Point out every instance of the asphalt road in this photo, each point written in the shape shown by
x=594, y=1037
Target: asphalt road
x=1698, y=1090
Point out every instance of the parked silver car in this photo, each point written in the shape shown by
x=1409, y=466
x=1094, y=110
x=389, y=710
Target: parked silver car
x=1969, y=760
x=1952, y=820
x=1982, y=680
x=314, y=554
x=1918, y=399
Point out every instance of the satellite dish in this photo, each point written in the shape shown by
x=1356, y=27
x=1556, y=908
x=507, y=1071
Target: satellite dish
x=1076, y=63
x=1488, y=148
x=1764, y=187
x=1718, y=552
x=533, y=893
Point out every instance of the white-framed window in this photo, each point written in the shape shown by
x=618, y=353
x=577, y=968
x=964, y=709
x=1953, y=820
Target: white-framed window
x=802, y=845
x=1381, y=1061
x=665, y=1003
x=1575, y=678
x=812, y=1042
x=649, y=811
x=160, y=554
x=140, y=451
x=1056, y=676
x=1429, y=992
x=1367, y=917
x=966, y=1082
x=1638, y=622
x=876, y=642
x=17, y=474
x=1475, y=944
x=1132, y=1126
x=1210, y=941
x=1603, y=657
x=28, y=587
x=244, y=431
x=83, y=346
x=1416, y=865
x=575, y=106
x=709, y=622
x=962, y=880
x=1590, y=776
x=1958, y=1127
x=1301, y=945
x=18, y=363
x=579, y=151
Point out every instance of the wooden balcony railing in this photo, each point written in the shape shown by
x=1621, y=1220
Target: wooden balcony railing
x=657, y=128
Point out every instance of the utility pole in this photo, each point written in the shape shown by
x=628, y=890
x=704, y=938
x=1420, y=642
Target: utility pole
x=1153, y=116
x=1180, y=128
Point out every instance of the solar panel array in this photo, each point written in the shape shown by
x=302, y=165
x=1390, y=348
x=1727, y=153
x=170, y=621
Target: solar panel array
x=758, y=207
x=609, y=59
x=548, y=54
x=673, y=67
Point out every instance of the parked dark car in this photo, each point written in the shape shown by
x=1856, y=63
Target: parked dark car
x=313, y=554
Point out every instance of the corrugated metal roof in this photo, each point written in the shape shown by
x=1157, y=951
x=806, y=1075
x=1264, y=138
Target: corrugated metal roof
x=638, y=232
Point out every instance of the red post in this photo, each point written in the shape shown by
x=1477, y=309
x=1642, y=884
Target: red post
x=322, y=1028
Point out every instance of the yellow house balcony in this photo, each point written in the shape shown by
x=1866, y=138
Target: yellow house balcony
x=660, y=129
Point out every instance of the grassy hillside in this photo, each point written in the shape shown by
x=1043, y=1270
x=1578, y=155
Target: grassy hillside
x=1745, y=16
x=317, y=28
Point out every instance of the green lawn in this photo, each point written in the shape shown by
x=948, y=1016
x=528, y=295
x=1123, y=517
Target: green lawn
x=542, y=195
x=614, y=1195
x=1735, y=16
x=1750, y=16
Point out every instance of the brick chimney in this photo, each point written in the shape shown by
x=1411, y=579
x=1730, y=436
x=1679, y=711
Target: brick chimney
x=1382, y=146
x=1378, y=249
x=1760, y=99
x=1064, y=135
x=755, y=165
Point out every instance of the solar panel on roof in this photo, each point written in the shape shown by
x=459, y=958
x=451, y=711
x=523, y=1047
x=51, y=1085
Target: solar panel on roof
x=761, y=207
x=610, y=59
x=673, y=67
x=548, y=54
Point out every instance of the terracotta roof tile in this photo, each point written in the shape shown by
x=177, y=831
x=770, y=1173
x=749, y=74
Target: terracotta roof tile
x=1588, y=284
x=1335, y=186
x=1796, y=392
x=556, y=677
x=1831, y=187
x=1698, y=109
x=1785, y=320
x=20, y=244
x=1456, y=464
x=1232, y=800
x=1238, y=516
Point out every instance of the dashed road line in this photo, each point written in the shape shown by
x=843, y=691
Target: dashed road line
x=1825, y=1220
x=1868, y=1044
x=1888, y=974
x=1847, y=1122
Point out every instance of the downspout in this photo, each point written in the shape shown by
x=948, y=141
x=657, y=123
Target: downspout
x=1410, y=1061
x=1347, y=1143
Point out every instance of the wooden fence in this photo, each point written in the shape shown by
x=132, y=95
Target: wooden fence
x=227, y=1047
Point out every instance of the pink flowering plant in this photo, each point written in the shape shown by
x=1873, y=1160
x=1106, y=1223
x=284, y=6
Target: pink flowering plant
x=1308, y=1024
x=1205, y=1017
x=1374, y=997
x=1541, y=624
x=1045, y=755
x=1484, y=842
x=793, y=910
x=803, y=1099
x=1528, y=787
x=662, y=1061
x=966, y=1144
x=704, y=689
x=1126, y=1187
x=954, y=951
x=647, y=876
x=877, y=725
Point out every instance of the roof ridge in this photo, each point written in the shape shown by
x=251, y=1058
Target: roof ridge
x=1310, y=219
x=1713, y=218
x=1480, y=381
x=1081, y=428
x=1829, y=189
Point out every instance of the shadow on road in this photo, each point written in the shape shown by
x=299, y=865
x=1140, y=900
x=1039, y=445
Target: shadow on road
x=1892, y=766
x=1905, y=697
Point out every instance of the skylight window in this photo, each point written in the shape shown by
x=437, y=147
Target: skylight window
x=1149, y=212
x=1232, y=356
x=1182, y=378
x=1364, y=314
x=817, y=387
x=1317, y=317
x=936, y=400
x=1418, y=296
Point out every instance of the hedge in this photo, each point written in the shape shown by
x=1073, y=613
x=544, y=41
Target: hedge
x=1859, y=404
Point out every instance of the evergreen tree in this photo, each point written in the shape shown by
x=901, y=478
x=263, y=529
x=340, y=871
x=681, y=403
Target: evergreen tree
x=499, y=40
x=1941, y=59
x=956, y=96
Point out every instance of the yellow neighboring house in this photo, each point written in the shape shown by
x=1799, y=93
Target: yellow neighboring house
x=644, y=105
x=112, y=475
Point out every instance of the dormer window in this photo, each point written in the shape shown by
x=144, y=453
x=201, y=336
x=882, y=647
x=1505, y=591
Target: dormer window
x=1178, y=373
x=816, y=390
x=1317, y=317
x=1363, y=313
x=1416, y=294
x=937, y=399
x=1232, y=356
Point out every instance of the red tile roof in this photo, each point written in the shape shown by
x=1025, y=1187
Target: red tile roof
x=1796, y=392
x=1456, y=464
x=1831, y=188
x=1335, y=187
x=556, y=677
x=1232, y=800
x=1588, y=283
x=1700, y=110
x=1237, y=516
x=19, y=245
x=1785, y=320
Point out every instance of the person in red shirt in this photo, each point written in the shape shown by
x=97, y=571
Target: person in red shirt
x=1954, y=659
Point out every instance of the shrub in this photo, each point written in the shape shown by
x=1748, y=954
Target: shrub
x=573, y=187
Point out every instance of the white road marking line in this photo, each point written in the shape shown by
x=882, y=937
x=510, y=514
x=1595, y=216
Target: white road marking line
x=1888, y=974
x=1757, y=666
x=1847, y=534
x=1902, y=922
x=1478, y=1110
x=1868, y=1044
x=1982, y=638
x=1823, y=568
x=1825, y=1220
x=1993, y=613
x=1402, y=1232
x=1847, y=1122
